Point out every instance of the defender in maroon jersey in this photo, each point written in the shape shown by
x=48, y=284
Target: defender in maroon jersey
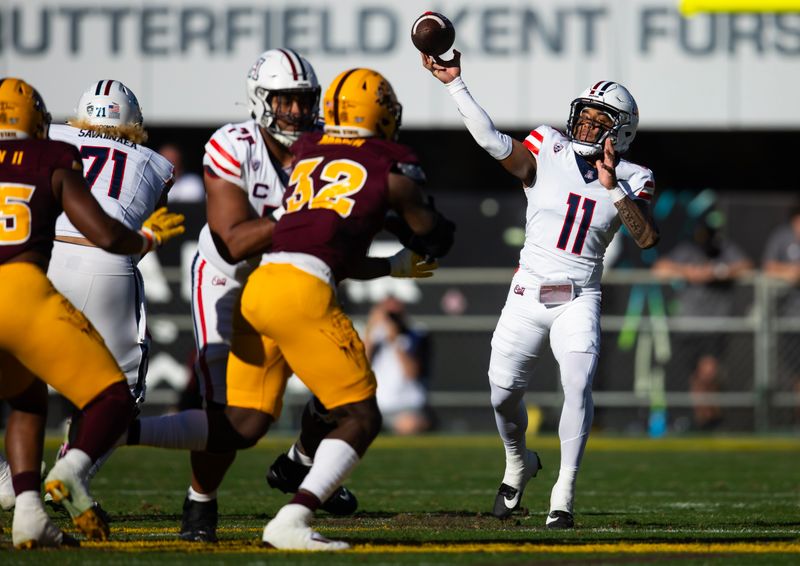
x=342, y=185
x=37, y=178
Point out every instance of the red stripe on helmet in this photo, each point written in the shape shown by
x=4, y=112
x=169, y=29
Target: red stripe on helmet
x=291, y=63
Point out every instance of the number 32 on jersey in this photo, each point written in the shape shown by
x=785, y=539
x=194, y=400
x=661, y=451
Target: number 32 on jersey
x=343, y=177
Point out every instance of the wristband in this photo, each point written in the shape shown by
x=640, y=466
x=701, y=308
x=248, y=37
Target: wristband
x=148, y=241
x=617, y=194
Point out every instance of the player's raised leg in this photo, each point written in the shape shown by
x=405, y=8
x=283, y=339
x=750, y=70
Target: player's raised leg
x=289, y=470
x=338, y=374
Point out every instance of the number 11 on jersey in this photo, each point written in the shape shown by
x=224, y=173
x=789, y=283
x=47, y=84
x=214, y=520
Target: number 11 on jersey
x=573, y=203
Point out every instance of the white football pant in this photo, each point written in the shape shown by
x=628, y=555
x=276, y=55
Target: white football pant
x=523, y=330
x=109, y=290
x=215, y=298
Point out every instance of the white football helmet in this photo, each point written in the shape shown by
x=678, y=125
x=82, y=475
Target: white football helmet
x=615, y=100
x=109, y=103
x=283, y=72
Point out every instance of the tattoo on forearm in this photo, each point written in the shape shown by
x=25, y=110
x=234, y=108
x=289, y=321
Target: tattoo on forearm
x=641, y=229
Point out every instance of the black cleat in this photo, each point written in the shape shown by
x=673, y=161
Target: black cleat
x=341, y=502
x=560, y=520
x=199, y=522
x=508, y=498
x=506, y=502
x=287, y=475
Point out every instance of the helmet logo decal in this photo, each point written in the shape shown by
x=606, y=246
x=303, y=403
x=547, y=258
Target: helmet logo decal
x=113, y=111
x=253, y=73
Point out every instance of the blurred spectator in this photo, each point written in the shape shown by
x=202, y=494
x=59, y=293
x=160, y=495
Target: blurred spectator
x=188, y=187
x=705, y=267
x=782, y=261
x=399, y=356
x=704, y=380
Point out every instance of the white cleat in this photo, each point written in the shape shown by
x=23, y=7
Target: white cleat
x=32, y=528
x=6, y=487
x=68, y=489
x=289, y=530
x=509, y=497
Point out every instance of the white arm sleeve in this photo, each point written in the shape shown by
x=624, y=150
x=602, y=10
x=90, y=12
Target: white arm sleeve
x=480, y=125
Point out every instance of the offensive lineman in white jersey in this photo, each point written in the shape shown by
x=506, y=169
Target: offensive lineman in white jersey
x=129, y=181
x=246, y=168
x=578, y=191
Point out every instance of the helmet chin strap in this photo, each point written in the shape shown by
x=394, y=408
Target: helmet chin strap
x=593, y=149
x=284, y=138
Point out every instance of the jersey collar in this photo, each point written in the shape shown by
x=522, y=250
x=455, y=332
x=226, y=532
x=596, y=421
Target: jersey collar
x=588, y=173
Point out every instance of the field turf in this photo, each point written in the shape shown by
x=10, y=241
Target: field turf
x=426, y=500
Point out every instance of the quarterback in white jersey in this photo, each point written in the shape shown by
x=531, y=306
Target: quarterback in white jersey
x=579, y=193
x=129, y=181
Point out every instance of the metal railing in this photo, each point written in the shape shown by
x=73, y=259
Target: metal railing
x=754, y=335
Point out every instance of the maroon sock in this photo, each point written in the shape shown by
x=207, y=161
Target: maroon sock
x=306, y=499
x=26, y=481
x=104, y=420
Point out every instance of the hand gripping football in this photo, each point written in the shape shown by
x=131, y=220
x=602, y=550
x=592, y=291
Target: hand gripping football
x=433, y=34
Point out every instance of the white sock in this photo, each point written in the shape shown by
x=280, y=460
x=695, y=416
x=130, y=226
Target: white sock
x=293, y=513
x=78, y=460
x=296, y=456
x=512, y=423
x=333, y=462
x=28, y=501
x=563, y=493
x=185, y=430
x=201, y=497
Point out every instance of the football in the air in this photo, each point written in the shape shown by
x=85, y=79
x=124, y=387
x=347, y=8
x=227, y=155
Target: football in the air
x=433, y=34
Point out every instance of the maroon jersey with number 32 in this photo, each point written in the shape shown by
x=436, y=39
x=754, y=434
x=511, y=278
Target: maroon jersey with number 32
x=337, y=197
x=28, y=207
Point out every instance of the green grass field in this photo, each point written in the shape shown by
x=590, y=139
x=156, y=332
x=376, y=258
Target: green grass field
x=426, y=501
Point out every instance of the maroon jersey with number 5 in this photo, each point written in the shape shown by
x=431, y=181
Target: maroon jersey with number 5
x=28, y=207
x=337, y=198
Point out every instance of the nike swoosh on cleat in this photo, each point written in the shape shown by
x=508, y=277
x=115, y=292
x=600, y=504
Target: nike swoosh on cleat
x=511, y=503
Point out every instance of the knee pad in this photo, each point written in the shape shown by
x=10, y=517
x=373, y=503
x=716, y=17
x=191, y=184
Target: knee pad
x=502, y=398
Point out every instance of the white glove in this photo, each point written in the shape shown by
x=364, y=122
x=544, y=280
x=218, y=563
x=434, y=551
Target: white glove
x=408, y=263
